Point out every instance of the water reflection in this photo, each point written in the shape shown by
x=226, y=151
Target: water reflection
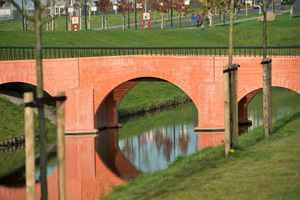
x=157, y=148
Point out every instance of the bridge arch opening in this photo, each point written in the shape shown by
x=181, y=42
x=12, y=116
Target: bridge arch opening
x=19, y=88
x=155, y=89
x=250, y=106
x=14, y=92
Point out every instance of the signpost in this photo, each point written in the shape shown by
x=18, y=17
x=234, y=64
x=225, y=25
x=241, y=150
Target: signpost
x=146, y=20
x=75, y=23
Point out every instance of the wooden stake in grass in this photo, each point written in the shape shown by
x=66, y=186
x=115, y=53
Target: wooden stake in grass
x=60, y=106
x=226, y=88
x=235, y=123
x=29, y=147
x=267, y=95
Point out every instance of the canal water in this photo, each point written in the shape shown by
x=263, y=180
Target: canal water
x=152, y=142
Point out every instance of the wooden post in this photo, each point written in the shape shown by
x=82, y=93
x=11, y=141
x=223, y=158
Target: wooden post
x=60, y=106
x=124, y=20
x=234, y=105
x=29, y=147
x=103, y=22
x=267, y=95
x=179, y=24
x=226, y=88
x=106, y=23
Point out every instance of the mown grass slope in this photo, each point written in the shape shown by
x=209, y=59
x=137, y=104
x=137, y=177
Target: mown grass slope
x=282, y=32
x=261, y=168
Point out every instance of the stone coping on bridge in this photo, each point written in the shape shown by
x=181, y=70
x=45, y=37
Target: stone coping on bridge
x=82, y=132
x=209, y=129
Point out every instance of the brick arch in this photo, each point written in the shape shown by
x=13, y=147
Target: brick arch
x=106, y=114
x=246, y=99
x=26, y=83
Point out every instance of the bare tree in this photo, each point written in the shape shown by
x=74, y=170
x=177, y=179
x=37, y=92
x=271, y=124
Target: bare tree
x=230, y=85
x=67, y=5
x=38, y=23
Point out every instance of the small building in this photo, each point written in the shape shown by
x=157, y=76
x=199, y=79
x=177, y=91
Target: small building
x=8, y=11
x=296, y=8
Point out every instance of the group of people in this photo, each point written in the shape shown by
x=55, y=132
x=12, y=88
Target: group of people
x=199, y=19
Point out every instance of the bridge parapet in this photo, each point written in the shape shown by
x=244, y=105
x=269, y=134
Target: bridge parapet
x=27, y=53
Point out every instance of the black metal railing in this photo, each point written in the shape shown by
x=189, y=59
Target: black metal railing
x=25, y=53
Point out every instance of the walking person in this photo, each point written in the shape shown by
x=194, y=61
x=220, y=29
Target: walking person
x=198, y=19
x=193, y=19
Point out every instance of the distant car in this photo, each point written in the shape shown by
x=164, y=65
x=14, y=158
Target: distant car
x=256, y=4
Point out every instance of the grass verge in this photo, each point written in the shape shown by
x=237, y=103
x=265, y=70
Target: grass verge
x=263, y=168
x=282, y=32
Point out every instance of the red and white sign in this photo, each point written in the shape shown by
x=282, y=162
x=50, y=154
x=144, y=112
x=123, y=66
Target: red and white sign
x=75, y=23
x=146, y=20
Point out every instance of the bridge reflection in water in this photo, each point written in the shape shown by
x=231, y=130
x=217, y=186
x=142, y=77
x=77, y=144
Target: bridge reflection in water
x=95, y=164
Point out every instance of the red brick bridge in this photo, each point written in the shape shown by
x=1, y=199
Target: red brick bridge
x=95, y=86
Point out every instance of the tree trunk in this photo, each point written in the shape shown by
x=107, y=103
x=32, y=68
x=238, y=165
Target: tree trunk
x=103, y=22
x=80, y=18
x=89, y=17
x=40, y=94
x=265, y=29
x=124, y=20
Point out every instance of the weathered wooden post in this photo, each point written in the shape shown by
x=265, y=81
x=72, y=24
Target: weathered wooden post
x=124, y=20
x=29, y=147
x=103, y=22
x=163, y=22
x=106, y=23
x=235, y=122
x=226, y=88
x=60, y=106
x=179, y=24
x=267, y=95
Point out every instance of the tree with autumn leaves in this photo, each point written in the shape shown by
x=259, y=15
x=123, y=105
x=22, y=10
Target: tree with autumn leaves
x=164, y=6
x=103, y=5
x=124, y=6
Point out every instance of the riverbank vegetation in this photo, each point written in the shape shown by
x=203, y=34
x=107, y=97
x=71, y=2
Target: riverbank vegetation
x=12, y=125
x=150, y=95
x=264, y=168
x=282, y=32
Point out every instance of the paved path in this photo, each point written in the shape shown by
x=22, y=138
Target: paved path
x=17, y=98
x=187, y=23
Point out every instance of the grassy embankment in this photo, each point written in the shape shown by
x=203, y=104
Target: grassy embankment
x=12, y=124
x=261, y=168
x=282, y=32
x=96, y=22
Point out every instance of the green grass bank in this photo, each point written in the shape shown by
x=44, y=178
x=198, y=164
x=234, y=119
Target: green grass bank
x=282, y=32
x=147, y=95
x=261, y=168
x=12, y=124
